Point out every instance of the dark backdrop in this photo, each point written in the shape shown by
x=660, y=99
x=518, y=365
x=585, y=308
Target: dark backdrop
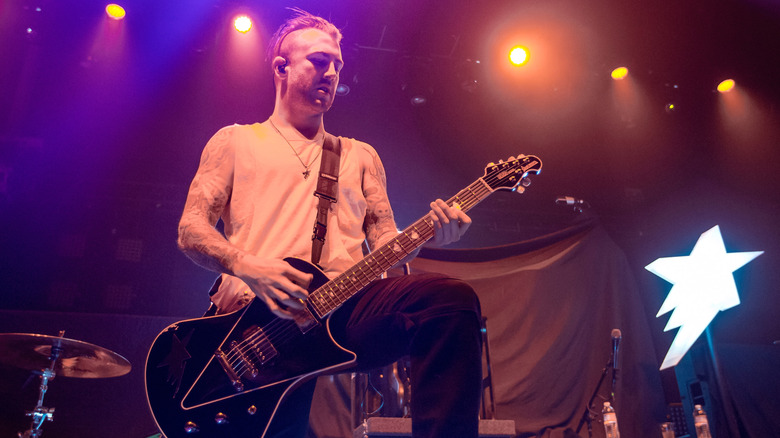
x=101, y=127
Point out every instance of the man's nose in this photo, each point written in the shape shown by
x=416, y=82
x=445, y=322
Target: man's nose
x=331, y=72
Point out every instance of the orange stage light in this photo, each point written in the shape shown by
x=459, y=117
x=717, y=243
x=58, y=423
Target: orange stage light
x=115, y=11
x=619, y=73
x=243, y=24
x=519, y=55
x=726, y=86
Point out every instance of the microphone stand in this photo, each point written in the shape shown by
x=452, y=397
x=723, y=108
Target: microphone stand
x=588, y=414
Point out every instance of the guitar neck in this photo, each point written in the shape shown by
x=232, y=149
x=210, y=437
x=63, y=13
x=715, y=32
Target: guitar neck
x=334, y=293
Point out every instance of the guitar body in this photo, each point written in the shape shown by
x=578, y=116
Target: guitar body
x=190, y=391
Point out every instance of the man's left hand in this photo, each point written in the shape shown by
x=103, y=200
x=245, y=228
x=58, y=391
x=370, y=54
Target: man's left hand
x=449, y=223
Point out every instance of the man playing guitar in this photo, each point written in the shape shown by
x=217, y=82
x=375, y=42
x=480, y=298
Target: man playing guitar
x=255, y=178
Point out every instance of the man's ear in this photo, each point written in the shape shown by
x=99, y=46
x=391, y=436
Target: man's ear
x=279, y=64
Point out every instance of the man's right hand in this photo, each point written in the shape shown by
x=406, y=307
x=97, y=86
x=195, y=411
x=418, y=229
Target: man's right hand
x=278, y=284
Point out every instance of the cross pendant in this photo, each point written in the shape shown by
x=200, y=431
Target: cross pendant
x=306, y=174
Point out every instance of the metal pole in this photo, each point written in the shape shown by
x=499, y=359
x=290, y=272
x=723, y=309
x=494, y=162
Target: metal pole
x=728, y=406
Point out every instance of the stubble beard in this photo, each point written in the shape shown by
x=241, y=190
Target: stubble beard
x=308, y=99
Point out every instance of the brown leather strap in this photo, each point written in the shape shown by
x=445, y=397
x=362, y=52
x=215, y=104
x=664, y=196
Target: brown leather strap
x=327, y=191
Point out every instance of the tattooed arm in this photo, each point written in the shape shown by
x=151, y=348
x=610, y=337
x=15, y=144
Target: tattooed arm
x=273, y=281
x=379, y=224
x=450, y=223
x=206, y=199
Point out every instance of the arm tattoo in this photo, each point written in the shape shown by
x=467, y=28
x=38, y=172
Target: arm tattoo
x=208, y=195
x=379, y=223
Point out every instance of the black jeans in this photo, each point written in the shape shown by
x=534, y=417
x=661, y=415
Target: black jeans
x=435, y=320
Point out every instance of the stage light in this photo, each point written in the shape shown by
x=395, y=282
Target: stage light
x=31, y=34
x=519, y=55
x=619, y=73
x=342, y=90
x=243, y=24
x=726, y=86
x=419, y=100
x=702, y=286
x=115, y=11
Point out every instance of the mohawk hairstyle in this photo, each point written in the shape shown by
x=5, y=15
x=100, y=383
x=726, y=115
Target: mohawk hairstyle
x=300, y=20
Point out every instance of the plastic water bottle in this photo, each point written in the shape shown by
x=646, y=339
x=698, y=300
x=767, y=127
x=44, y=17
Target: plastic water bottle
x=610, y=421
x=700, y=422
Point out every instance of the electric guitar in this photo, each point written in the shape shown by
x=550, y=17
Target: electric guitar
x=225, y=376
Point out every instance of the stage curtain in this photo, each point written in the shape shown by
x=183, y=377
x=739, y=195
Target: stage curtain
x=551, y=304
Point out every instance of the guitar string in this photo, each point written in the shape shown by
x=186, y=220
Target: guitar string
x=251, y=344
x=241, y=366
x=468, y=204
x=271, y=330
x=403, y=240
x=265, y=333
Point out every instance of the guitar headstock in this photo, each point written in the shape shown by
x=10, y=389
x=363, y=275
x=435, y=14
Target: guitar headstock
x=513, y=173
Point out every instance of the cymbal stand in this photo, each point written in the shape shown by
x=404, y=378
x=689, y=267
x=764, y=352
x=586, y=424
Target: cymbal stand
x=41, y=413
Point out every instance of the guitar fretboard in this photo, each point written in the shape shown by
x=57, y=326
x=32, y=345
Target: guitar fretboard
x=331, y=295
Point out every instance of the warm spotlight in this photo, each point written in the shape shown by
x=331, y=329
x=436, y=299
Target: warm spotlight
x=619, y=73
x=519, y=56
x=243, y=24
x=726, y=86
x=115, y=11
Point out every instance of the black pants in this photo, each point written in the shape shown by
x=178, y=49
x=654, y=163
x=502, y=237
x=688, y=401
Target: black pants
x=433, y=319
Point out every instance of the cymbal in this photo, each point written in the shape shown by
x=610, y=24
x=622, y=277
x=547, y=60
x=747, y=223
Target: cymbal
x=76, y=358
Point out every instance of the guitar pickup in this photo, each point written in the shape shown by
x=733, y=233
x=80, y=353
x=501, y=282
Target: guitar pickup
x=255, y=350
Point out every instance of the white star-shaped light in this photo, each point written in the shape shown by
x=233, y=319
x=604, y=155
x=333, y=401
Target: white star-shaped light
x=703, y=284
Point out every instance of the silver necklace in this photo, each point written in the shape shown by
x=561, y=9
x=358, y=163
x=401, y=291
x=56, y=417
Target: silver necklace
x=307, y=171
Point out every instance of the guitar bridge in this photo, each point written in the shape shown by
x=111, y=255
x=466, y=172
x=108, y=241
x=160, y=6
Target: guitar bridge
x=235, y=380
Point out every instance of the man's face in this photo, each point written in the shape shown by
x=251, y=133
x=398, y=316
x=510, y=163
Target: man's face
x=314, y=62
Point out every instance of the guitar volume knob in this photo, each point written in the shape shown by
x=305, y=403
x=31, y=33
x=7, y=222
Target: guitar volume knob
x=221, y=418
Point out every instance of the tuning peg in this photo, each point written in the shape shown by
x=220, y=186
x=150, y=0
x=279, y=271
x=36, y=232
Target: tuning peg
x=525, y=182
x=511, y=159
x=500, y=161
x=491, y=164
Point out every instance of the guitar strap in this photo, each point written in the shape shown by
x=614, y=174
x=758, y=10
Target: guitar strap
x=327, y=191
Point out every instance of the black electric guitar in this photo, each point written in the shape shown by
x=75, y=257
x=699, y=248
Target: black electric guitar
x=224, y=376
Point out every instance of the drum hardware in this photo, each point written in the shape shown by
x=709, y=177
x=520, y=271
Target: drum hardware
x=49, y=356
